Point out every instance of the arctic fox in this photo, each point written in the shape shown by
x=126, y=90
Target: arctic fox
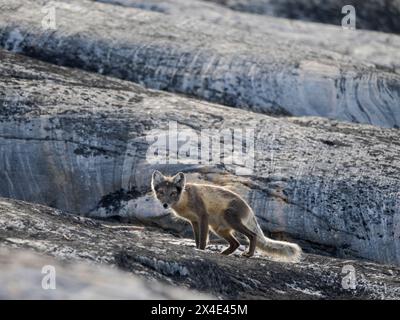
x=220, y=209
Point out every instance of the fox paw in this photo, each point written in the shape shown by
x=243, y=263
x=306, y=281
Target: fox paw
x=226, y=252
x=247, y=254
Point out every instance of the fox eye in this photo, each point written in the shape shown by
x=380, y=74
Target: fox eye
x=173, y=193
x=160, y=192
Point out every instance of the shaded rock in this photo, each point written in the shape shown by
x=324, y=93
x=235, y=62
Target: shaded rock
x=84, y=143
x=167, y=259
x=253, y=70
x=372, y=14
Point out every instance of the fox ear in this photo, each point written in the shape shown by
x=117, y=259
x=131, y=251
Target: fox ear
x=179, y=180
x=156, y=178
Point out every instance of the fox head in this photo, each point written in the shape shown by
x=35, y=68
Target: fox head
x=168, y=190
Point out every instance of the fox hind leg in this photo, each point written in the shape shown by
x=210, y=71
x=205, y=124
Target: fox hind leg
x=235, y=221
x=233, y=242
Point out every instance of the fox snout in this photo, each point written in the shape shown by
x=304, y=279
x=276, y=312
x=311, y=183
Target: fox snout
x=165, y=205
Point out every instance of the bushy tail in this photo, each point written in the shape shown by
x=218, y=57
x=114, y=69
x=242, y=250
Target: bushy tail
x=278, y=250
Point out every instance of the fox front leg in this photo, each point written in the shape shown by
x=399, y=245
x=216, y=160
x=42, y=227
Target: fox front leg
x=196, y=233
x=203, y=232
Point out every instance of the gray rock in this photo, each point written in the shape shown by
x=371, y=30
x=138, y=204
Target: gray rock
x=255, y=70
x=381, y=49
x=24, y=275
x=372, y=14
x=83, y=143
x=159, y=257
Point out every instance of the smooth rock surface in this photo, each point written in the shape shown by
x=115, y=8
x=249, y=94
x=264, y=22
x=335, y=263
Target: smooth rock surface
x=381, y=49
x=263, y=72
x=84, y=143
x=160, y=257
